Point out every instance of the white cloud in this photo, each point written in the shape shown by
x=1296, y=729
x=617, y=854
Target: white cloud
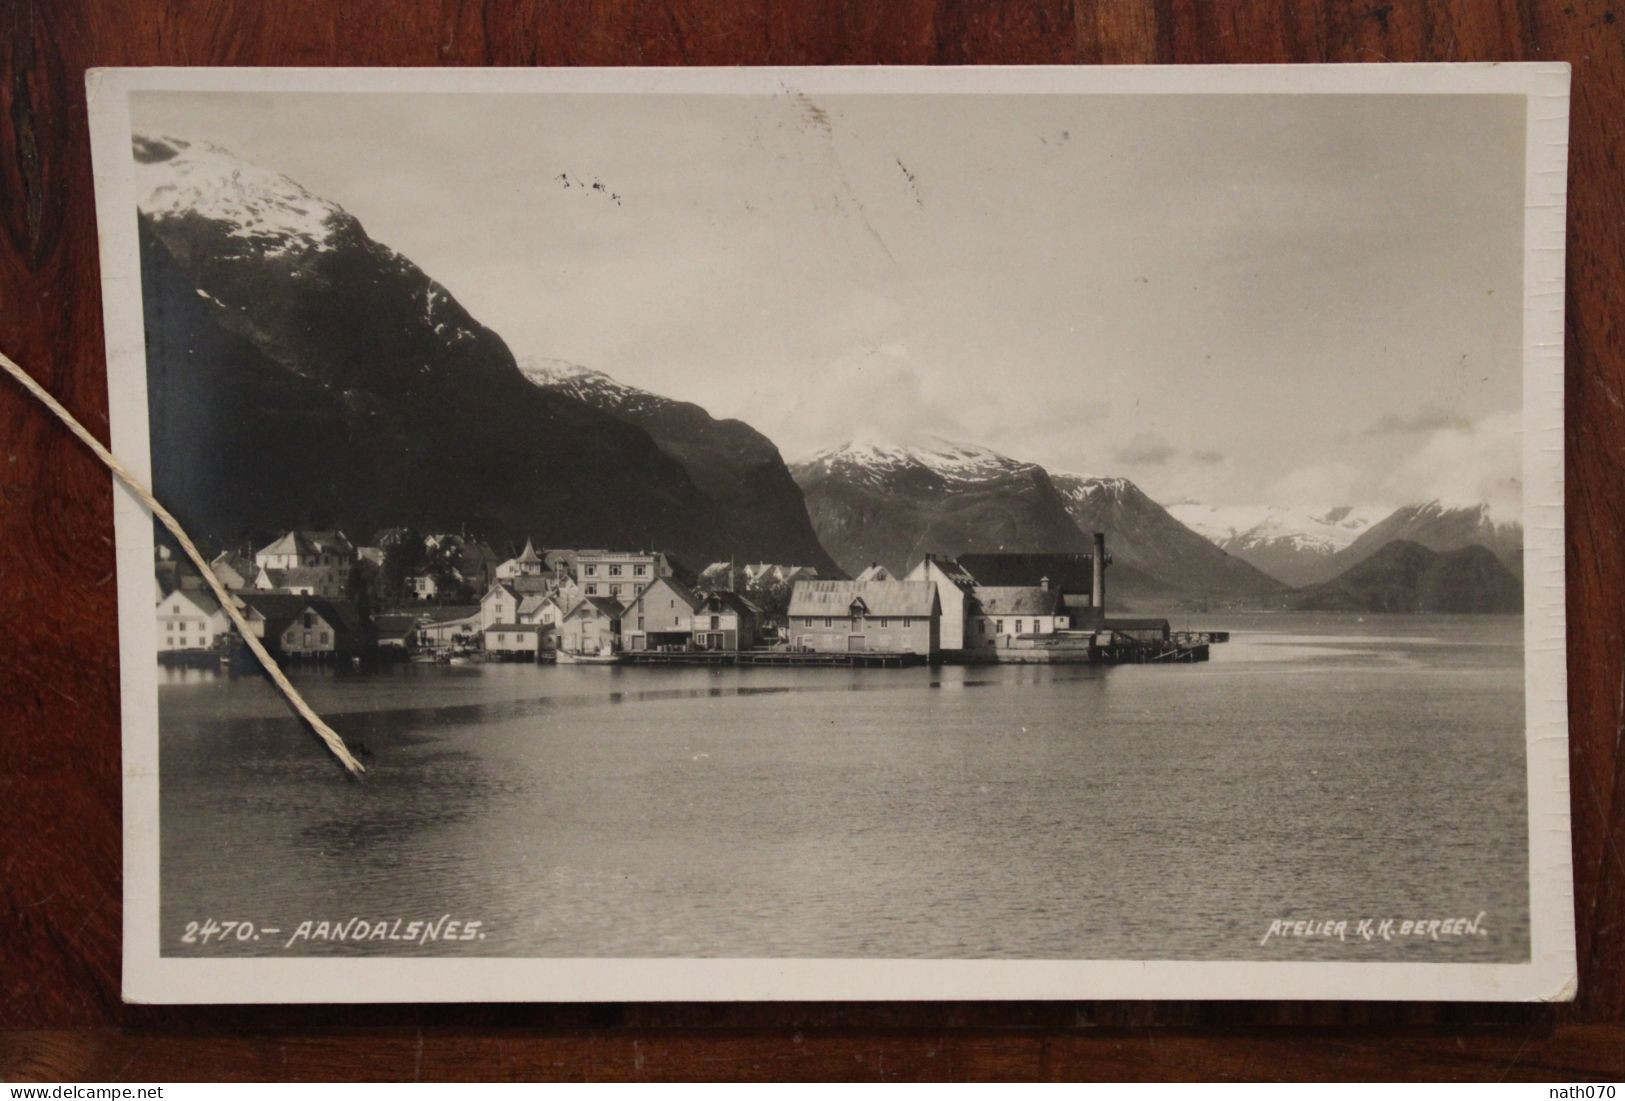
x=873, y=393
x=1320, y=486
x=1465, y=465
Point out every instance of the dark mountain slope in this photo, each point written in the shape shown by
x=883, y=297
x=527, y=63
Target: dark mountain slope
x=892, y=505
x=300, y=372
x=1408, y=577
x=241, y=442
x=1142, y=534
x=1438, y=527
x=756, y=500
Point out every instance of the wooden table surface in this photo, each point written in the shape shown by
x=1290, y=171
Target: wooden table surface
x=60, y=1014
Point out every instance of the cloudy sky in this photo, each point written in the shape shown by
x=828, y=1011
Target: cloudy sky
x=1236, y=299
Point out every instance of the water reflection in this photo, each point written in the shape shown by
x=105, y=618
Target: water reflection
x=1139, y=812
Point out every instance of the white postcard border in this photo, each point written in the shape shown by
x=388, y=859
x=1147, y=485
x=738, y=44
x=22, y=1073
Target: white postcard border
x=1550, y=974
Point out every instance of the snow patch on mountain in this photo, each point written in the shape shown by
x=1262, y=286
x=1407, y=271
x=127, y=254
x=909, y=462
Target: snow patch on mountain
x=1084, y=487
x=547, y=371
x=1235, y=527
x=948, y=459
x=587, y=384
x=176, y=178
x=1495, y=515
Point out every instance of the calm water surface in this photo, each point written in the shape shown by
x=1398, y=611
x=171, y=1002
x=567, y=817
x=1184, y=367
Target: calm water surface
x=1319, y=767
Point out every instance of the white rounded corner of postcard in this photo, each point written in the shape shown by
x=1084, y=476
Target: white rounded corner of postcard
x=1131, y=566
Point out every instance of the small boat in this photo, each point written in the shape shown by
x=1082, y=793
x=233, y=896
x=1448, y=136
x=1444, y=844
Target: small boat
x=602, y=657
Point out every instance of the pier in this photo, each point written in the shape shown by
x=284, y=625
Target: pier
x=856, y=659
x=1150, y=653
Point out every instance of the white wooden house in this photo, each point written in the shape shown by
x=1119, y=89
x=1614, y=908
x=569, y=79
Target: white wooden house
x=189, y=619
x=1003, y=613
x=500, y=604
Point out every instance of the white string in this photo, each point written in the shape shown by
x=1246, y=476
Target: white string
x=227, y=601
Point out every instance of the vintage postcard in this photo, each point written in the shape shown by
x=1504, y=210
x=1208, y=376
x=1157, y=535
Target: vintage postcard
x=842, y=533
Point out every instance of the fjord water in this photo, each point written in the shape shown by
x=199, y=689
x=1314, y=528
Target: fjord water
x=1318, y=768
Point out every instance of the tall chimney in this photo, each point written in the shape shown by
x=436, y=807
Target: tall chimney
x=1097, y=595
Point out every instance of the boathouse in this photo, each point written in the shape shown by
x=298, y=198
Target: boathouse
x=593, y=625
x=725, y=620
x=660, y=617
x=523, y=641
x=859, y=616
x=448, y=624
x=395, y=631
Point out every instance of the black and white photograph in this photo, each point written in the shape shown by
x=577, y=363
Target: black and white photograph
x=842, y=533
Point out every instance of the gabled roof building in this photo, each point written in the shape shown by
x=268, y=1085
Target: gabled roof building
x=953, y=584
x=592, y=626
x=306, y=548
x=858, y=616
x=190, y=620
x=1002, y=613
x=726, y=620
x=660, y=616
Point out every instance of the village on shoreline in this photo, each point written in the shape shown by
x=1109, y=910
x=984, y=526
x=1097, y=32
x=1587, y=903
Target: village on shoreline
x=314, y=596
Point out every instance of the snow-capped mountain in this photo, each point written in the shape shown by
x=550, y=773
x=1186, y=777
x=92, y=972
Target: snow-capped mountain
x=1312, y=546
x=306, y=374
x=176, y=179
x=280, y=264
x=1288, y=543
x=877, y=463
x=757, y=505
x=1326, y=530
x=1141, y=533
x=586, y=384
x=891, y=503
x=1440, y=526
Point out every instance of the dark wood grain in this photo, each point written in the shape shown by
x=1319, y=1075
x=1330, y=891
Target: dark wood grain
x=59, y=729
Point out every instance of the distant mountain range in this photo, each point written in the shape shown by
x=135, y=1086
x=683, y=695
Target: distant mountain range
x=891, y=504
x=1142, y=534
x=1404, y=576
x=1439, y=527
x=302, y=373
x=1307, y=547
x=1291, y=544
